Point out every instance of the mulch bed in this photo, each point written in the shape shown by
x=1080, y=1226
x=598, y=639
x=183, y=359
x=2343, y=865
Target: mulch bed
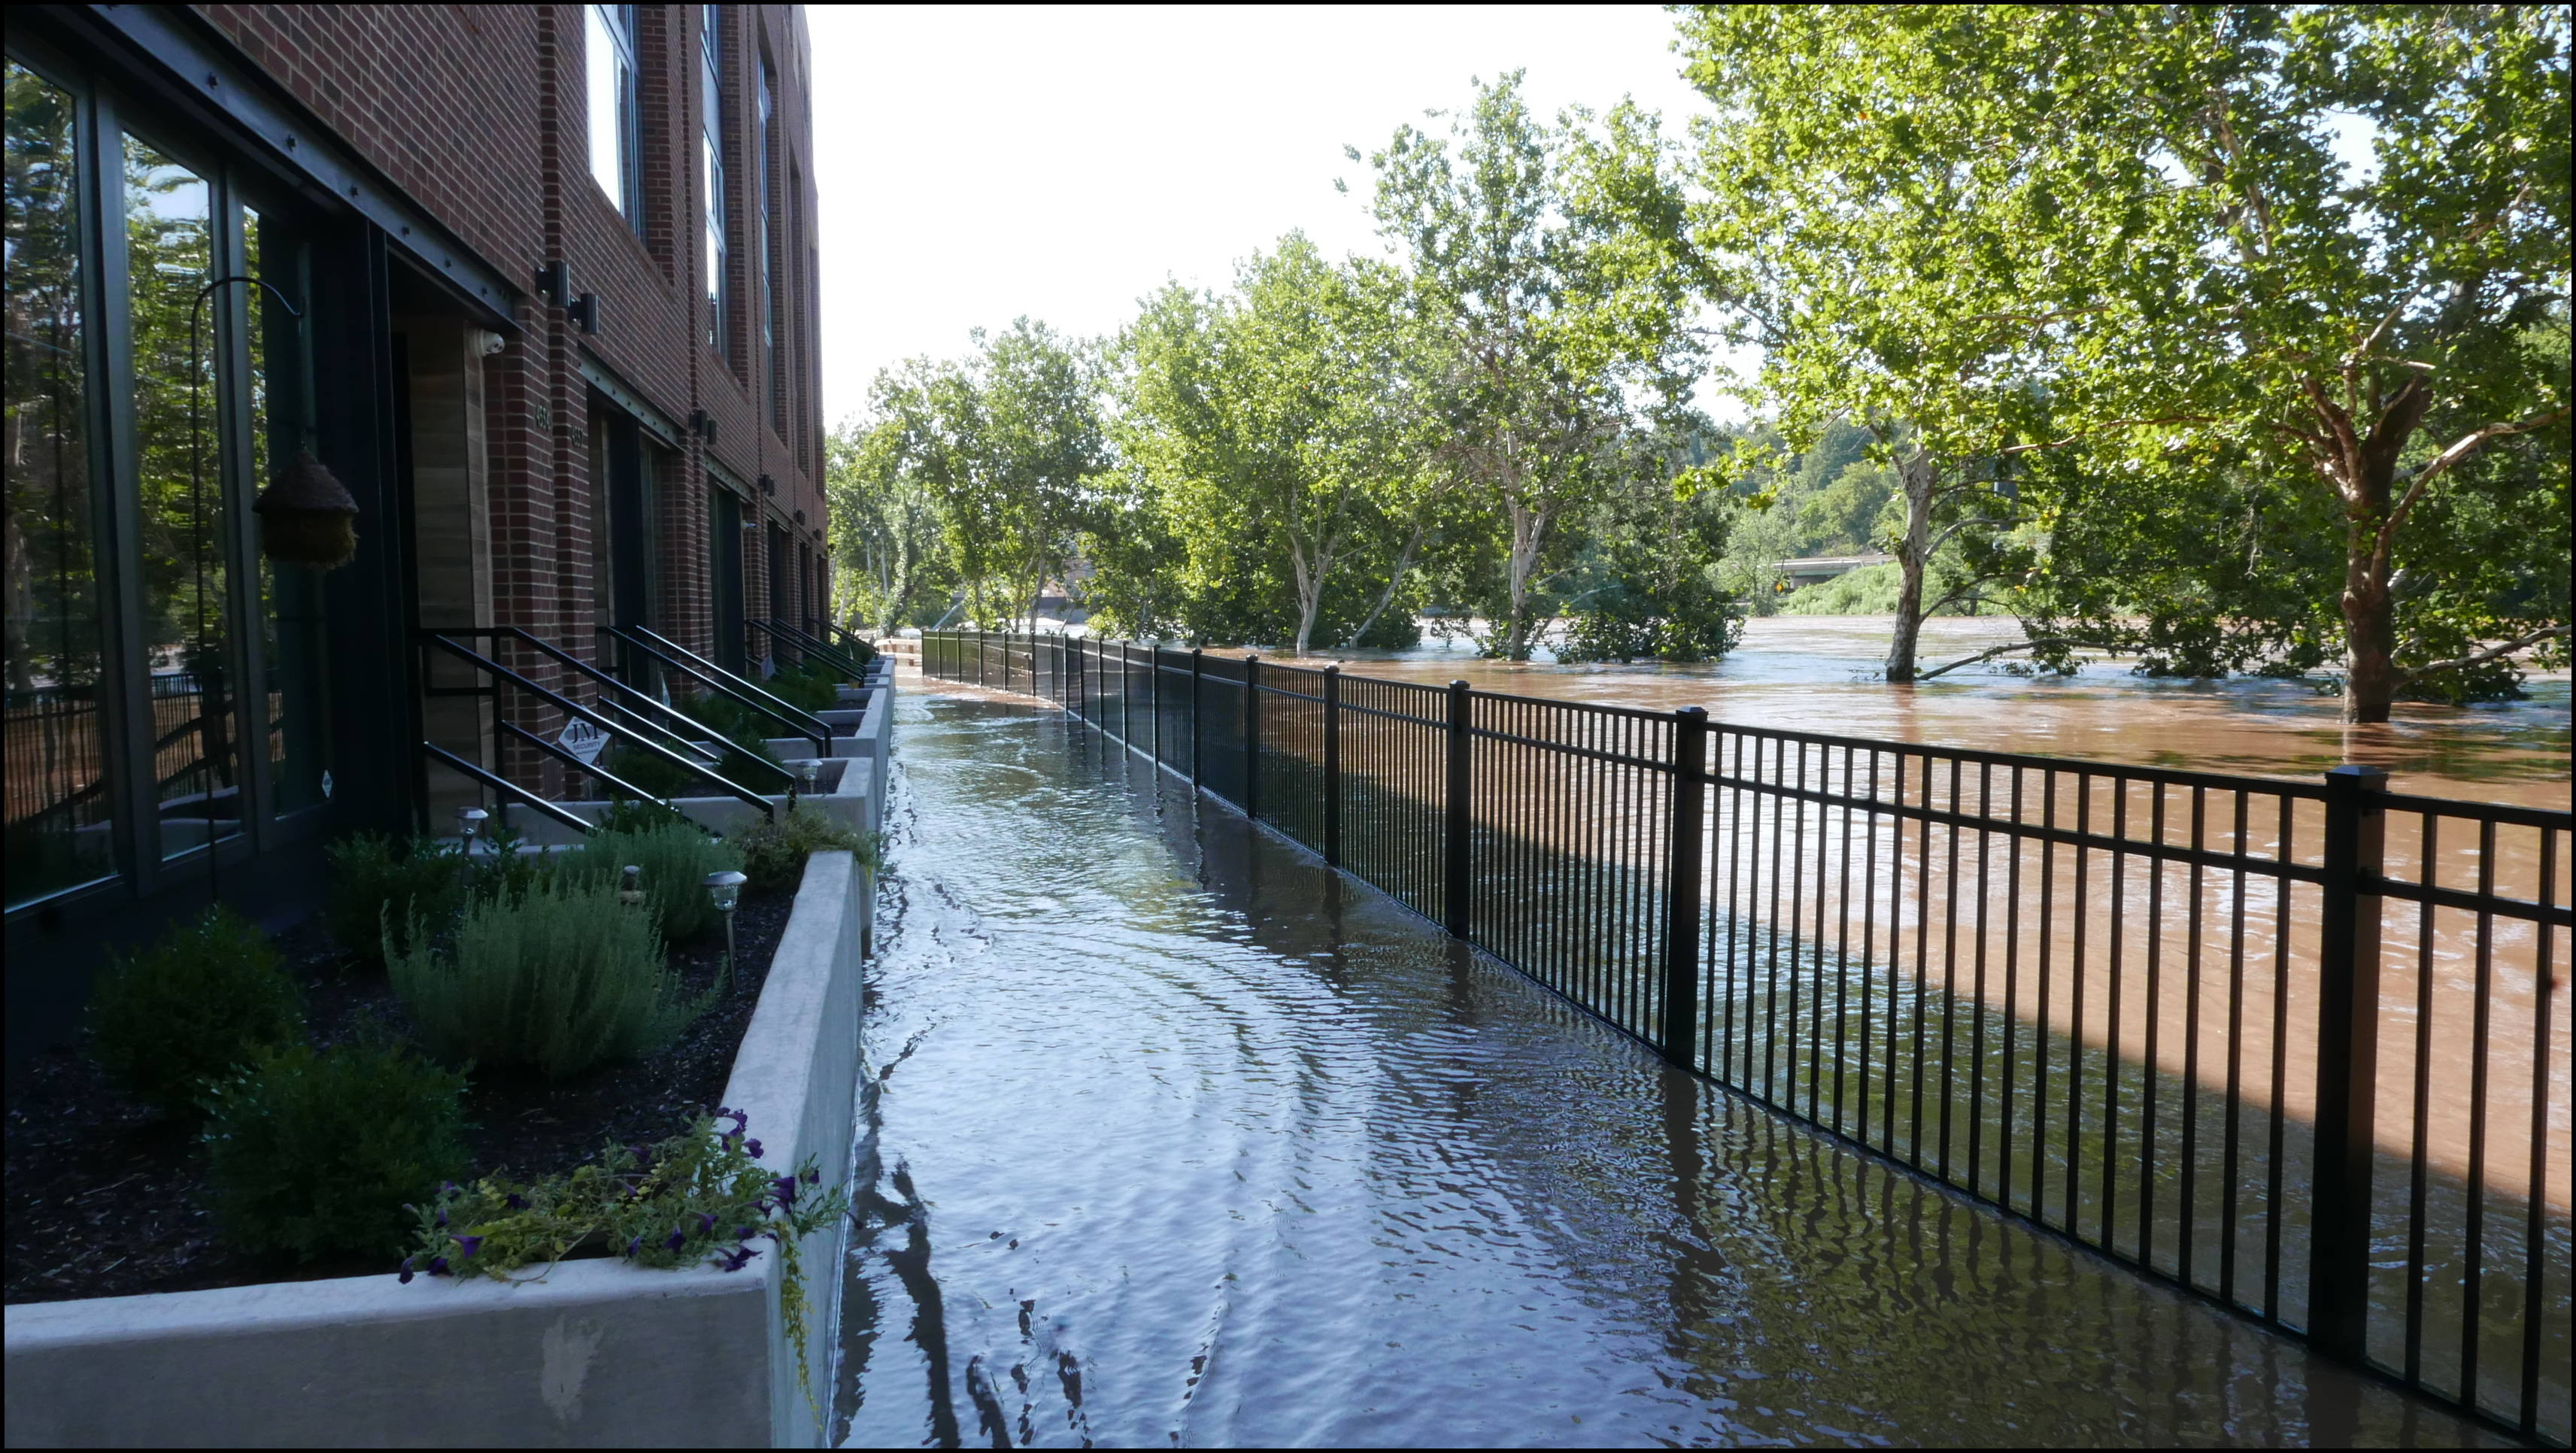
x=106, y=1197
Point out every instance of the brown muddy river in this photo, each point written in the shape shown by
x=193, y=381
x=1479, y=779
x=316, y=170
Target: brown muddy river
x=1174, y=1136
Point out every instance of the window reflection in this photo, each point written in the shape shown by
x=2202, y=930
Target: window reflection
x=183, y=562
x=281, y=422
x=56, y=767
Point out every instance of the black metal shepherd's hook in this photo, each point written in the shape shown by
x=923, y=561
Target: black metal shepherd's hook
x=197, y=529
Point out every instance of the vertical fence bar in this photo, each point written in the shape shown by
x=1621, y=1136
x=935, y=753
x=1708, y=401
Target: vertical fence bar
x=1198, y=668
x=1252, y=737
x=2347, y=1064
x=1154, y=704
x=1682, y=887
x=1460, y=814
x=1333, y=765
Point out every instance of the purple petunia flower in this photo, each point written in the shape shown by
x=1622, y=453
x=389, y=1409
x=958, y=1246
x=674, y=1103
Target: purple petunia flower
x=406, y=1271
x=745, y=1233
x=677, y=1240
x=438, y=1266
x=470, y=1245
x=736, y=1259
x=706, y=1223
x=447, y=1188
x=634, y=1246
x=786, y=1186
x=813, y=1177
x=442, y=1215
x=741, y=1121
x=516, y=1202
x=751, y=1148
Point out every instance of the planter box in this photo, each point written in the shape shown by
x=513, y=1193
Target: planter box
x=847, y=790
x=597, y=1353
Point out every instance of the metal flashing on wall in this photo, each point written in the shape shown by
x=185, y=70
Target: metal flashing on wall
x=653, y=421
x=209, y=71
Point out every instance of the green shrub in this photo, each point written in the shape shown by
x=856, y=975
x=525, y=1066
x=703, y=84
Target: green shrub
x=774, y=853
x=676, y=858
x=204, y=998
x=812, y=686
x=312, y=1154
x=558, y=980
x=744, y=741
x=376, y=881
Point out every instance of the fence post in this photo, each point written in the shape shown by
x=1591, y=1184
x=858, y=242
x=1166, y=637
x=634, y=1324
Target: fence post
x=1154, y=704
x=1252, y=737
x=1454, y=892
x=1198, y=666
x=2347, y=1063
x=1333, y=765
x=1682, y=887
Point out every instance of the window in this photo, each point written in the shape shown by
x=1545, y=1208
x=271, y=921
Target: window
x=769, y=329
x=614, y=113
x=134, y=453
x=711, y=173
x=61, y=819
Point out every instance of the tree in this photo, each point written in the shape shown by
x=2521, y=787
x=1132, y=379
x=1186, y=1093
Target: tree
x=1853, y=232
x=1269, y=418
x=1643, y=584
x=2136, y=223
x=1547, y=310
x=885, y=518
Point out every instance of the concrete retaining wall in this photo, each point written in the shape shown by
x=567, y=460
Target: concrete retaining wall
x=598, y=1353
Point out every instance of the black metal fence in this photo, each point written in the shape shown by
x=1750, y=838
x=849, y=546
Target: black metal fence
x=2293, y=1046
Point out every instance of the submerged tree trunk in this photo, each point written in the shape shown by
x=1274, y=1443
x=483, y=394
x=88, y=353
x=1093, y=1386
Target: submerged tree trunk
x=1913, y=557
x=1529, y=528
x=1403, y=565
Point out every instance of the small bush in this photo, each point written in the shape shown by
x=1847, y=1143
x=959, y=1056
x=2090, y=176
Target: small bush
x=676, y=858
x=312, y=1154
x=811, y=687
x=774, y=853
x=376, y=881
x=205, y=998
x=558, y=980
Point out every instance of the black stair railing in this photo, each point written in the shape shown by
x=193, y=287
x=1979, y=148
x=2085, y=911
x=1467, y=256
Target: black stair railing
x=617, y=731
x=799, y=722
x=805, y=645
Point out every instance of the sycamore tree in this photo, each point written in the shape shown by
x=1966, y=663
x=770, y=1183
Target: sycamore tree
x=1554, y=317
x=1264, y=423
x=2263, y=271
x=885, y=518
x=1003, y=444
x=1848, y=228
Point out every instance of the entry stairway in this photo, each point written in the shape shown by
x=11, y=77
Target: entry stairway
x=602, y=722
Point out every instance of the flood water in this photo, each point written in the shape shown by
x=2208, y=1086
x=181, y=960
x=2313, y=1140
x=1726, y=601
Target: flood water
x=1818, y=674
x=1174, y=1136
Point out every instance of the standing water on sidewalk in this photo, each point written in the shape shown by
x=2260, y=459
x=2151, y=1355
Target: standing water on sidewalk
x=1173, y=1136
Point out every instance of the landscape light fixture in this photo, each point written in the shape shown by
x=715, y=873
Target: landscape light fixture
x=724, y=890
x=631, y=892
x=469, y=822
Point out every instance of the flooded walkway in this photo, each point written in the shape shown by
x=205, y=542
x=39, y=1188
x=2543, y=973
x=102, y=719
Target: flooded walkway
x=1180, y=1139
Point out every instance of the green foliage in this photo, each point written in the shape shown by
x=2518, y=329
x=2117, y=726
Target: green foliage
x=1868, y=591
x=207, y=996
x=743, y=754
x=811, y=685
x=885, y=525
x=313, y=1153
x=774, y=853
x=696, y=1198
x=1642, y=588
x=2136, y=236
x=377, y=881
x=676, y=858
x=558, y=980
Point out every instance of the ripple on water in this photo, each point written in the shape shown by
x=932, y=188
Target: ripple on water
x=1180, y=1140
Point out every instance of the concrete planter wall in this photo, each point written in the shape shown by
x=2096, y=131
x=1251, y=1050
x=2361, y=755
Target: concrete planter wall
x=598, y=1353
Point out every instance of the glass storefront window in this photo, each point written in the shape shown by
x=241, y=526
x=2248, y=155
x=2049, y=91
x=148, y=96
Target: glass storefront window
x=60, y=813
x=185, y=632
x=281, y=418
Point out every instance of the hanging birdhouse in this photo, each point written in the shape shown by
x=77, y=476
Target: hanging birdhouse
x=307, y=517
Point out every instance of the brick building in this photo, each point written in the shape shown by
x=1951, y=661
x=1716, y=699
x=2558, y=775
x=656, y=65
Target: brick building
x=535, y=284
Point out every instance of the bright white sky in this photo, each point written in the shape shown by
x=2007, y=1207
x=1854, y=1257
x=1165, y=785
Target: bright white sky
x=976, y=164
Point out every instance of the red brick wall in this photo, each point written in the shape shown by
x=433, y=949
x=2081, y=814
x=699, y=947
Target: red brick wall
x=479, y=115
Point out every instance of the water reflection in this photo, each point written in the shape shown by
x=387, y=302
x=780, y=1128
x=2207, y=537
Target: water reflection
x=1178, y=1138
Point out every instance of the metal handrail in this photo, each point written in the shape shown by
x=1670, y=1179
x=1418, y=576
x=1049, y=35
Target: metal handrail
x=508, y=788
x=574, y=708
x=807, y=645
x=625, y=688
x=615, y=782
x=833, y=628
x=814, y=728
